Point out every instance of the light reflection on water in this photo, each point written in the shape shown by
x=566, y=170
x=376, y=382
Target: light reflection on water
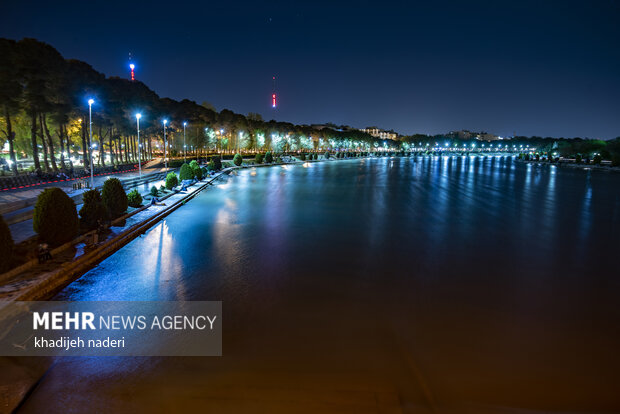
x=499, y=277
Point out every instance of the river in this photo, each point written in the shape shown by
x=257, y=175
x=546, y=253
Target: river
x=450, y=285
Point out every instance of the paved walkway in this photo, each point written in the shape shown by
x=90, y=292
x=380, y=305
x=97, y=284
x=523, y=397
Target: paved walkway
x=22, y=229
x=29, y=193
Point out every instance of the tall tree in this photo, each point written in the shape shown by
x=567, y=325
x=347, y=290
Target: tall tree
x=10, y=92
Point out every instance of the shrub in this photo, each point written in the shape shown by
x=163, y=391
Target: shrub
x=114, y=197
x=578, y=159
x=258, y=159
x=217, y=162
x=6, y=246
x=326, y=155
x=93, y=209
x=268, y=157
x=316, y=156
x=186, y=172
x=597, y=160
x=134, y=198
x=237, y=159
x=211, y=166
x=615, y=160
x=162, y=188
x=154, y=191
x=55, y=218
x=302, y=156
x=196, y=171
x=171, y=180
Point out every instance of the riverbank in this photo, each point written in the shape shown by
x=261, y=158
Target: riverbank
x=585, y=167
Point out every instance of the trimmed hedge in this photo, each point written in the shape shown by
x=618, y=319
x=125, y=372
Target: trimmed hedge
x=196, y=170
x=171, y=180
x=93, y=209
x=259, y=158
x=6, y=246
x=217, y=162
x=55, y=218
x=134, y=199
x=114, y=197
x=326, y=155
x=268, y=157
x=237, y=159
x=186, y=172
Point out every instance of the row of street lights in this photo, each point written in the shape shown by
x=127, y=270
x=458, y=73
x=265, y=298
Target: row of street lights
x=138, y=116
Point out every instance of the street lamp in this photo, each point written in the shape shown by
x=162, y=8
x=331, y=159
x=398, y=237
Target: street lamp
x=138, y=116
x=165, y=144
x=184, y=147
x=90, y=141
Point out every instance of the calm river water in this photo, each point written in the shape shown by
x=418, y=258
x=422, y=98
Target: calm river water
x=431, y=284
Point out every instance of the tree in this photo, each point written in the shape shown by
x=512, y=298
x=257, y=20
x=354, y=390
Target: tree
x=171, y=180
x=186, y=172
x=6, y=246
x=255, y=117
x=114, y=197
x=134, y=198
x=217, y=162
x=55, y=218
x=93, y=209
x=268, y=157
x=10, y=93
x=196, y=170
x=237, y=159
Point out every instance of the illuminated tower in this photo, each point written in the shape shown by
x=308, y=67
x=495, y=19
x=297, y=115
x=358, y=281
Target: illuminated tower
x=273, y=95
x=131, y=67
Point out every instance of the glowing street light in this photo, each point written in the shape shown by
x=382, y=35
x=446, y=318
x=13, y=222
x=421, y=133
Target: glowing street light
x=90, y=145
x=138, y=116
x=184, y=147
x=165, y=145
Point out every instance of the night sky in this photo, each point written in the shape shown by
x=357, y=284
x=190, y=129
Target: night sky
x=531, y=67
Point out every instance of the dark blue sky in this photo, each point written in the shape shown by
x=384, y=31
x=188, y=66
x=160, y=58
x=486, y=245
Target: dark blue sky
x=530, y=67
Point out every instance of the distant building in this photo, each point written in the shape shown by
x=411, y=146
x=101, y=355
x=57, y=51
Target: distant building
x=483, y=136
x=380, y=133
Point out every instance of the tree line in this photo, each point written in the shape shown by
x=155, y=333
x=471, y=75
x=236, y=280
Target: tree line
x=44, y=116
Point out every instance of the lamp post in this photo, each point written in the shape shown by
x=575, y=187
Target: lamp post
x=184, y=147
x=90, y=141
x=165, y=144
x=138, y=116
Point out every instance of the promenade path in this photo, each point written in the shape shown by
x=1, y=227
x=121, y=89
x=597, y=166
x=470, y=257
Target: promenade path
x=24, y=194
x=20, y=221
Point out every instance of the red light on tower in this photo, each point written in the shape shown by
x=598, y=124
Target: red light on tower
x=132, y=67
